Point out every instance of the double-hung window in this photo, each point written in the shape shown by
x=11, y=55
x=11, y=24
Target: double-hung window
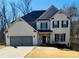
x=43, y=25
x=64, y=24
x=55, y=24
x=59, y=37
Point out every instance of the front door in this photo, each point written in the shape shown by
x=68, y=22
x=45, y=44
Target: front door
x=43, y=39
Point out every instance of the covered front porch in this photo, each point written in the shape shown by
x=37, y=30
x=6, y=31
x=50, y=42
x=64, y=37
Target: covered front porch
x=44, y=37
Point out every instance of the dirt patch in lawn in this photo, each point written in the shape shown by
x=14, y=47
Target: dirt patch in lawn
x=2, y=46
x=51, y=52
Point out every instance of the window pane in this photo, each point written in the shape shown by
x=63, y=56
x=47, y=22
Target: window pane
x=62, y=37
x=44, y=25
x=64, y=24
x=55, y=24
x=56, y=37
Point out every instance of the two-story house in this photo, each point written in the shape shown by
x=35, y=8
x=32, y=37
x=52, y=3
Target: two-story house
x=42, y=27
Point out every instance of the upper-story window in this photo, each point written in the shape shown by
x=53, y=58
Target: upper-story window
x=44, y=25
x=55, y=24
x=64, y=24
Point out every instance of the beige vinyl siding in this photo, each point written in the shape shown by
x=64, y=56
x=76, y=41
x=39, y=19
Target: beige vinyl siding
x=21, y=28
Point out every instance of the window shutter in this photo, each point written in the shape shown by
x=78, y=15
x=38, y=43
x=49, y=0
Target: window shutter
x=53, y=24
x=61, y=23
x=46, y=25
x=58, y=24
x=64, y=37
x=55, y=37
x=67, y=23
x=41, y=26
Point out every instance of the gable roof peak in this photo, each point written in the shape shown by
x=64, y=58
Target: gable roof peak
x=52, y=6
x=49, y=13
x=61, y=11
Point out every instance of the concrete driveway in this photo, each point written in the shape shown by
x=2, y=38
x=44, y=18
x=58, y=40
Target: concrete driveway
x=11, y=52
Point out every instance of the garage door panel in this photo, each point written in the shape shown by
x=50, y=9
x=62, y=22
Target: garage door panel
x=15, y=42
x=27, y=41
x=21, y=41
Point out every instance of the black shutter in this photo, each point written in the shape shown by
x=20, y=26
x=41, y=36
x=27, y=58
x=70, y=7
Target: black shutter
x=58, y=24
x=53, y=24
x=62, y=24
x=67, y=23
x=64, y=37
x=55, y=37
x=41, y=25
x=46, y=25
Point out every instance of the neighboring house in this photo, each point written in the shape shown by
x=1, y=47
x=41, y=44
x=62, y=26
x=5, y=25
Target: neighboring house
x=51, y=26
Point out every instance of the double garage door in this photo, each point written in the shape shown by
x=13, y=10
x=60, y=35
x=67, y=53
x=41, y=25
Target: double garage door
x=21, y=41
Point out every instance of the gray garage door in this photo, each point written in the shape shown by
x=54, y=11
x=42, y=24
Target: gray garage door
x=21, y=41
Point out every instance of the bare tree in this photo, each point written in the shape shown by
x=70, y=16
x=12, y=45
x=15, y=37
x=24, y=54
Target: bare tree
x=71, y=9
x=3, y=12
x=3, y=20
x=72, y=12
x=14, y=9
x=25, y=7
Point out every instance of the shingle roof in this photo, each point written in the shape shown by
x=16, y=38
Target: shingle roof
x=32, y=16
x=49, y=13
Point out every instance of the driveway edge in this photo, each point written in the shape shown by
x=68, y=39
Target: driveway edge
x=30, y=52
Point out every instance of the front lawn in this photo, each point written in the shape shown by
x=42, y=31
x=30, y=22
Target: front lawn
x=51, y=52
